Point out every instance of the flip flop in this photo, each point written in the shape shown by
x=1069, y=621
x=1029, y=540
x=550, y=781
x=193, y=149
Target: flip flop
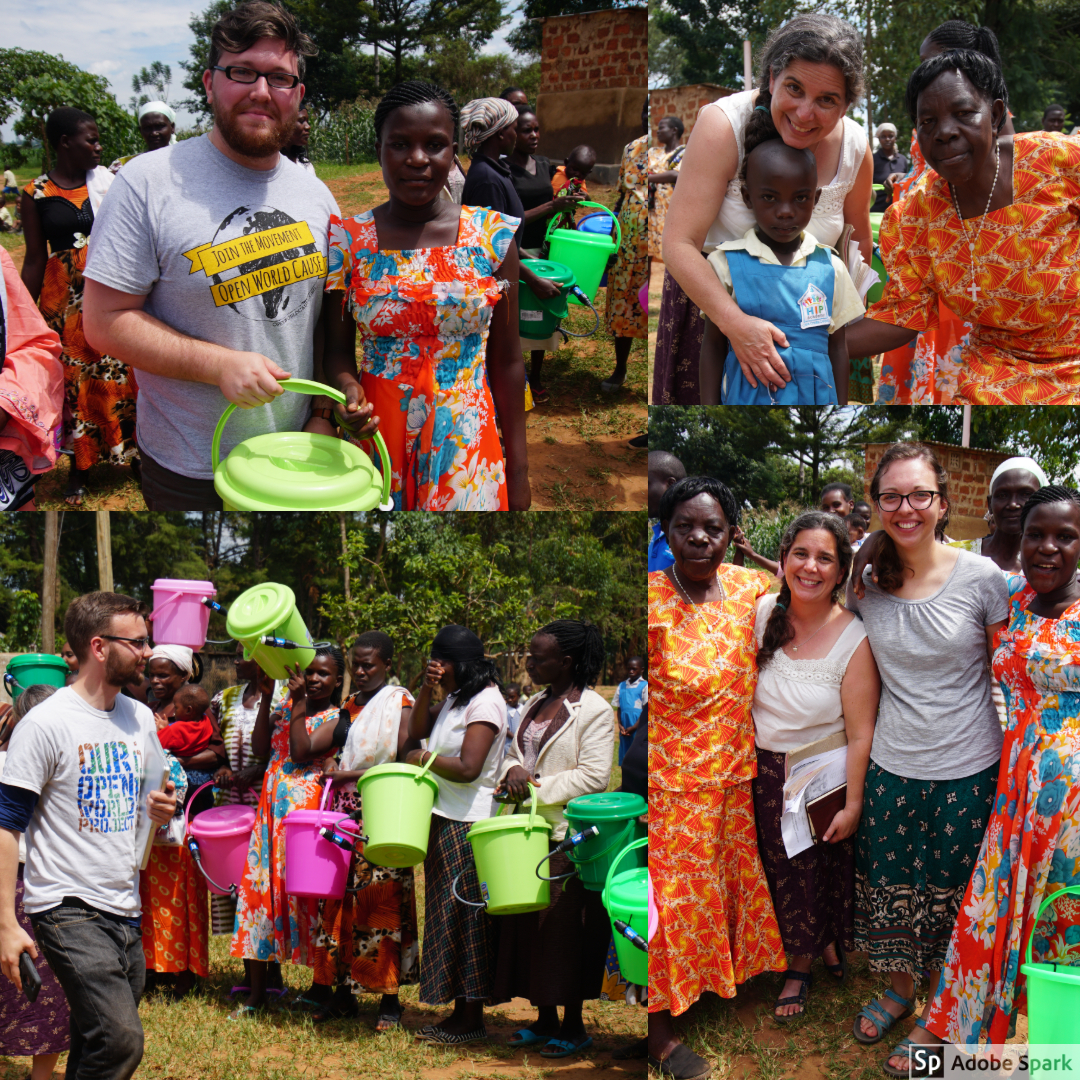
x=564, y=1048
x=881, y=1018
x=904, y=1047
x=838, y=971
x=245, y=1012
x=306, y=1004
x=525, y=1037
x=243, y=990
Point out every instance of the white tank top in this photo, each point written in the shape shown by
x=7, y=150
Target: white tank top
x=827, y=224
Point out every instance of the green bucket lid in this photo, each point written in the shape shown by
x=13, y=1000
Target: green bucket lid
x=260, y=610
x=628, y=893
x=297, y=470
x=557, y=272
x=37, y=659
x=606, y=806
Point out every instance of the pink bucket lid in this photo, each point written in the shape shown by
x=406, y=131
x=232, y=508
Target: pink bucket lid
x=168, y=584
x=222, y=821
x=314, y=817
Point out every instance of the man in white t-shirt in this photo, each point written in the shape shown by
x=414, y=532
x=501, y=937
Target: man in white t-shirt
x=72, y=783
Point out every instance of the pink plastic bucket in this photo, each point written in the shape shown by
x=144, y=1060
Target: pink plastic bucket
x=643, y=298
x=223, y=834
x=654, y=915
x=314, y=866
x=180, y=617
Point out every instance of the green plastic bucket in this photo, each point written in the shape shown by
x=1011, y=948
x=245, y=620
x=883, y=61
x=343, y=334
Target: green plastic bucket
x=300, y=470
x=585, y=253
x=396, y=803
x=507, y=851
x=34, y=669
x=626, y=897
x=615, y=814
x=269, y=610
x=1053, y=991
x=539, y=319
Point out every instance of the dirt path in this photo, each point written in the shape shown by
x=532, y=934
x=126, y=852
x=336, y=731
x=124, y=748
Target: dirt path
x=578, y=452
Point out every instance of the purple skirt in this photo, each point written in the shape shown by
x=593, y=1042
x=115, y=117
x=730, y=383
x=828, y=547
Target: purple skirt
x=678, y=348
x=44, y=1026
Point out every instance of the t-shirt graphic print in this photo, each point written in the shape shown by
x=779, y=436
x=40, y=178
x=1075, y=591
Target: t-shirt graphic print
x=110, y=775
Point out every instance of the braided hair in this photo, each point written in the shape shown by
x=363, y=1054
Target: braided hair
x=330, y=649
x=413, y=92
x=1052, y=493
x=817, y=39
x=887, y=562
x=978, y=68
x=779, y=630
x=957, y=34
x=689, y=488
x=583, y=642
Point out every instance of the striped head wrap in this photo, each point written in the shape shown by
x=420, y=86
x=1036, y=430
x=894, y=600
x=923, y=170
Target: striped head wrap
x=484, y=117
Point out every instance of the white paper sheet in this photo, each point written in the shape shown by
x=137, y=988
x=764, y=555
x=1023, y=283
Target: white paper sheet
x=809, y=779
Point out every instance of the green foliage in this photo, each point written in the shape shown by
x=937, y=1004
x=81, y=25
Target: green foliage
x=33, y=84
x=24, y=623
x=200, y=24
x=344, y=136
x=709, y=37
x=764, y=528
x=666, y=55
x=157, y=77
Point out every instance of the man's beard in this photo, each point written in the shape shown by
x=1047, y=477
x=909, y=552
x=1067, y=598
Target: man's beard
x=261, y=142
x=122, y=666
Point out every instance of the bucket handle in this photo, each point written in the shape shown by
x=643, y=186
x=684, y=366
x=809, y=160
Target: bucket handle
x=461, y=899
x=599, y=206
x=532, y=810
x=191, y=800
x=165, y=600
x=1042, y=907
x=324, y=802
x=432, y=755
x=618, y=859
x=627, y=828
x=309, y=386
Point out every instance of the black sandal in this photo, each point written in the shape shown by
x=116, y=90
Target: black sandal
x=807, y=980
x=838, y=971
x=336, y=1009
x=681, y=1064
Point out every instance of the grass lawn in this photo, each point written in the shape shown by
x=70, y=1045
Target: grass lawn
x=194, y=1039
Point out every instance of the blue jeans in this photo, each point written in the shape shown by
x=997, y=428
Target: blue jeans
x=99, y=963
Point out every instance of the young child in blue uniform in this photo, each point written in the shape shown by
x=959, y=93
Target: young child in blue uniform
x=780, y=273
x=630, y=700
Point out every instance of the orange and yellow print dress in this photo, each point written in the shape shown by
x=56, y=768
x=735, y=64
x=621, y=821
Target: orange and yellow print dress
x=423, y=318
x=99, y=391
x=717, y=925
x=1024, y=345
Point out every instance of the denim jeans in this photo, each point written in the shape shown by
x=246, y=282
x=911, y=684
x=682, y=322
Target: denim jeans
x=99, y=963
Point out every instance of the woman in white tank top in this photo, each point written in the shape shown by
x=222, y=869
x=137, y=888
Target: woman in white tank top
x=812, y=72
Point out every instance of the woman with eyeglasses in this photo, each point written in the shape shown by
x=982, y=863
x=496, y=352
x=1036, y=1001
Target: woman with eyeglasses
x=930, y=612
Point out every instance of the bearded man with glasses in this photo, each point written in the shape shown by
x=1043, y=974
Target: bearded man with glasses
x=207, y=269
x=72, y=783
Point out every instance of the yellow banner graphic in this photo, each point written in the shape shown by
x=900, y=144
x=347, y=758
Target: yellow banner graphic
x=277, y=276
x=217, y=258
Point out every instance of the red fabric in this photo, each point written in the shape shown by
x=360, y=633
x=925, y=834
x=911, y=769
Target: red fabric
x=186, y=738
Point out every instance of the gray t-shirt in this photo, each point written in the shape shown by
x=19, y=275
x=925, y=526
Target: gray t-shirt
x=227, y=254
x=936, y=720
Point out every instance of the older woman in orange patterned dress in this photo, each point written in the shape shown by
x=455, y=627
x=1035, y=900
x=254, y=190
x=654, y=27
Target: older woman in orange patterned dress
x=717, y=926
x=993, y=232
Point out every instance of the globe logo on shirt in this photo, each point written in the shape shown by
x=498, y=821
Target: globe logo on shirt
x=262, y=263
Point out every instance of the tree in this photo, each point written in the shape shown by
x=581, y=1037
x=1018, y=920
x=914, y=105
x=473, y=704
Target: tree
x=33, y=84
x=666, y=56
x=157, y=77
x=710, y=37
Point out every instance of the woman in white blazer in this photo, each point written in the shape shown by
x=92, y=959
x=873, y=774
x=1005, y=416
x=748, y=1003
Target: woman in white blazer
x=563, y=748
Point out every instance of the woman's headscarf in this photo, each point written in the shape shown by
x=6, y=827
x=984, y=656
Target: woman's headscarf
x=484, y=117
x=160, y=107
x=1027, y=464
x=180, y=655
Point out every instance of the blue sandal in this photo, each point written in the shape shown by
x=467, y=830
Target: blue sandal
x=525, y=1037
x=559, y=1048
x=904, y=1047
x=881, y=1018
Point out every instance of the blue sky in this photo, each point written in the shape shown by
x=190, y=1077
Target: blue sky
x=116, y=38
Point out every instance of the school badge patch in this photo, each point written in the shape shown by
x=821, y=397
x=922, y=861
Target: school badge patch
x=813, y=307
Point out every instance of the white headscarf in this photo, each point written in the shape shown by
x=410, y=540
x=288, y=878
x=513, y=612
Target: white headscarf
x=160, y=107
x=373, y=734
x=1027, y=464
x=180, y=655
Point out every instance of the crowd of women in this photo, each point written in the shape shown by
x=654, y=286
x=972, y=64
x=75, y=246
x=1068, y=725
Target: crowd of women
x=978, y=245
x=510, y=190
x=275, y=746
x=949, y=835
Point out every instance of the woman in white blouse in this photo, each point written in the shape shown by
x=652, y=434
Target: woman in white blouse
x=816, y=678
x=811, y=74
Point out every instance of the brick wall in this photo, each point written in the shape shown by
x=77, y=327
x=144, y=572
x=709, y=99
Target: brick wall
x=683, y=102
x=969, y=483
x=598, y=50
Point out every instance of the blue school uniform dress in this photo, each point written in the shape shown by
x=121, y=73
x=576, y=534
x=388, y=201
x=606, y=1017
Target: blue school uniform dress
x=630, y=700
x=799, y=300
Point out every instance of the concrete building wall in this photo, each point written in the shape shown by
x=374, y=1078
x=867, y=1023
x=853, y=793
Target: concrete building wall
x=593, y=83
x=683, y=102
x=969, y=483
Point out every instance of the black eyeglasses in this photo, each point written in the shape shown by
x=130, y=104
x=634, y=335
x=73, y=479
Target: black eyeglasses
x=917, y=500
x=142, y=642
x=279, y=80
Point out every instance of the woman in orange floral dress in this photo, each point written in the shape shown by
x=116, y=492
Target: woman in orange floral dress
x=717, y=925
x=58, y=210
x=271, y=924
x=1008, y=266
x=432, y=288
